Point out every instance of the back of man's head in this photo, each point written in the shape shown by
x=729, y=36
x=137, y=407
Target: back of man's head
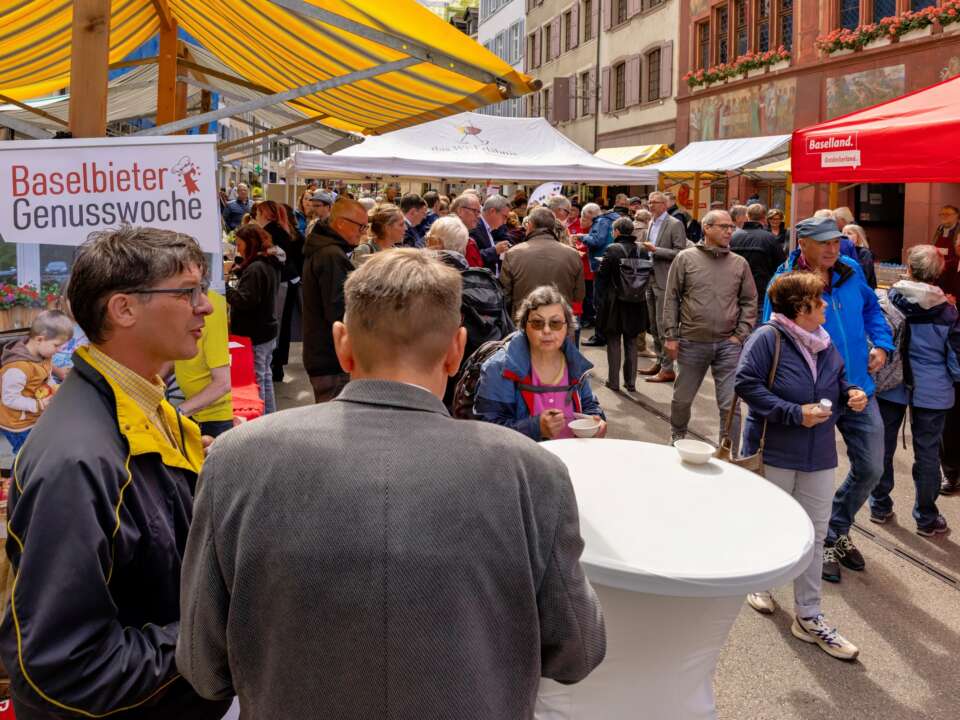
x=402, y=310
x=411, y=201
x=541, y=218
x=431, y=198
x=125, y=260
x=756, y=213
x=738, y=213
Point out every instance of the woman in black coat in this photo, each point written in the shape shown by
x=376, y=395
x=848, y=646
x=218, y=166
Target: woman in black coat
x=617, y=317
x=252, y=297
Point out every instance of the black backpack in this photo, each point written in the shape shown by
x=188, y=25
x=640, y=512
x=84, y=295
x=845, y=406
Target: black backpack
x=633, y=276
x=483, y=309
x=465, y=394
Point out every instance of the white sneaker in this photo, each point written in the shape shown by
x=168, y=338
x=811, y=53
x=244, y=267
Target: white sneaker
x=816, y=630
x=762, y=602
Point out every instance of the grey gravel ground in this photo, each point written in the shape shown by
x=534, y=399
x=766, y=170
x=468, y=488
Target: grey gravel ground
x=905, y=619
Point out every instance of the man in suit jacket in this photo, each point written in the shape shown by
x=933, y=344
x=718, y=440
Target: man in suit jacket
x=373, y=557
x=665, y=238
x=541, y=260
x=414, y=209
x=486, y=233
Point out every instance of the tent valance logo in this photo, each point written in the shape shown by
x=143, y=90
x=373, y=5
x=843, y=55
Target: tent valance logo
x=836, y=150
x=471, y=134
x=468, y=138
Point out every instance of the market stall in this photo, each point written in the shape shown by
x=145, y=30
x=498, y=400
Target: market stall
x=669, y=599
x=468, y=147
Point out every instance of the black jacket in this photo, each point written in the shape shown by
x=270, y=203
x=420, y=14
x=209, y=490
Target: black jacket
x=615, y=317
x=99, y=511
x=325, y=270
x=253, y=303
x=760, y=249
x=292, y=247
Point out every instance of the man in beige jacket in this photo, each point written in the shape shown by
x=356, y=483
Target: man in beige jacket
x=541, y=260
x=709, y=310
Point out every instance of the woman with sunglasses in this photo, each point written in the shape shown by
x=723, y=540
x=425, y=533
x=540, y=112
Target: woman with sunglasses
x=252, y=297
x=536, y=383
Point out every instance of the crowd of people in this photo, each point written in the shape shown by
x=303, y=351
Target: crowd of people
x=418, y=312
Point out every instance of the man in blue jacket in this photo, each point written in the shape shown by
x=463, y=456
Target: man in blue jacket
x=599, y=236
x=853, y=316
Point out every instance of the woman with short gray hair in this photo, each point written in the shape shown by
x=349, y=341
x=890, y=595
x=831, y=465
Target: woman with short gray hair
x=537, y=382
x=926, y=330
x=449, y=234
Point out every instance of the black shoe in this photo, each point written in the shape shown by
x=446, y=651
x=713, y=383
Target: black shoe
x=938, y=527
x=831, y=568
x=848, y=555
x=949, y=486
x=594, y=341
x=615, y=388
x=631, y=388
x=880, y=517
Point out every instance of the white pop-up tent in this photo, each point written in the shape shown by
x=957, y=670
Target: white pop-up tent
x=468, y=147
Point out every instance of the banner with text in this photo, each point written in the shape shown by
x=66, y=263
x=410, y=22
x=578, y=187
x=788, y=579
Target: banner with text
x=59, y=191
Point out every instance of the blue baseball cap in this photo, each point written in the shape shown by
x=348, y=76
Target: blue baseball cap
x=819, y=229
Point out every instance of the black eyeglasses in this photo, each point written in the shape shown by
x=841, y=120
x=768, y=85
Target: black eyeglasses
x=195, y=292
x=474, y=210
x=362, y=226
x=540, y=324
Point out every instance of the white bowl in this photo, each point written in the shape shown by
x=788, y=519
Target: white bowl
x=694, y=451
x=585, y=428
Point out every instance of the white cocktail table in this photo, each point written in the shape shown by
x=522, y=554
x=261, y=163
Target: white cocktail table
x=671, y=549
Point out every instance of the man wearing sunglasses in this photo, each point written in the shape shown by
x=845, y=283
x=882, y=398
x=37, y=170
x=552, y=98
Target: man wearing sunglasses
x=102, y=496
x=325, y=270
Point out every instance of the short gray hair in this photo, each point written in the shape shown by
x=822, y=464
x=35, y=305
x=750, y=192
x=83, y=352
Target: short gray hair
x=496, y=202
x=541, y=218
x=462, y=199
x=715, y=216
x=644, y=216
x=623, y=226
x=590, y=210
x=539, y=297
x=558, y=202
x=925, y=263
x=656, y=196
x=843, y=213
x=52, y=325
x=402, y=305
x=451, y=232
x=737, y=211
x=121, y=261
x=756, y=212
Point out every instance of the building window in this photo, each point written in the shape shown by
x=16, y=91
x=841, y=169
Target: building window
x=785, y=12
x=588, y=20
x=547, y=41
x=567, y=30
x=531, y=50
x=921, y=4
x=763, y=25
x=621, y=11
x=586, y=105
x=742, y=37
x=653, y=75
x=884, y=8
x=703, y=45
x=849, y=14
x=652, y=4
x=516, y=32
x=499, y=43
x=721, y=41
x=619, y=86
x=546, y=105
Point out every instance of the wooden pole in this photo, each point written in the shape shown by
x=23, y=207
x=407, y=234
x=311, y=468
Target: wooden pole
x=788, y=200
x=696, y=196
x=834, y=196
x=89, y=57
x=167, y=75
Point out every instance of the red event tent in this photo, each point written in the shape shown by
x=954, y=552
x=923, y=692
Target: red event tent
x=912, y=138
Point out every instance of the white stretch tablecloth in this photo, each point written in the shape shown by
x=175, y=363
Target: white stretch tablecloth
x=671, y=549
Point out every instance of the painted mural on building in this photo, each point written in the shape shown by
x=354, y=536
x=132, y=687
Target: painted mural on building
x=848, y=93
x=698, y=7
x=762, y=109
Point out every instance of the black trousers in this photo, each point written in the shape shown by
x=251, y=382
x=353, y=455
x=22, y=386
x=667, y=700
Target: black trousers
x=950, y=442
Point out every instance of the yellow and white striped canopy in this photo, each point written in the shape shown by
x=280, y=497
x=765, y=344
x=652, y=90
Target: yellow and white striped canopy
x=267, y=44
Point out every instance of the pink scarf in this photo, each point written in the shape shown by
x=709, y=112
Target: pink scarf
x=811, y=343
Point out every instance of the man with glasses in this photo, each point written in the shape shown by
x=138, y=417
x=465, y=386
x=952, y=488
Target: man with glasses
x=709, y=310
x=484, y=231
x=102, y=496
x=325, y=270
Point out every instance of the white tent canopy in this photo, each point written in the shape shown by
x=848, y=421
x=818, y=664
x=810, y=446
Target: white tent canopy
x=725, y=155
x=469, y=147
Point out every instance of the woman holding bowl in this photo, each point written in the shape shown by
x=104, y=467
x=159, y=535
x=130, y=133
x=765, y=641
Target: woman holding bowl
x=537, y=382
x=794, y=420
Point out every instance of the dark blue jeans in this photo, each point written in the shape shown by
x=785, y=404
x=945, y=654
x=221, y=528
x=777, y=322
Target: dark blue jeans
x=863, y=434
x=926, y=426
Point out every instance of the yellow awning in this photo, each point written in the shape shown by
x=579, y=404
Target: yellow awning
x=267, y=44
x=635, y=155
x=781, y=167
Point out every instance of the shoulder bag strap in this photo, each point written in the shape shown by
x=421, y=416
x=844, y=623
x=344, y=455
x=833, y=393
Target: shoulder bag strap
x=728, y=423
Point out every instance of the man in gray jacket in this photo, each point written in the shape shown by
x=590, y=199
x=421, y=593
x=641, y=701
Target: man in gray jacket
x=666, y=237
x=709, y=310
x=371, y=557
